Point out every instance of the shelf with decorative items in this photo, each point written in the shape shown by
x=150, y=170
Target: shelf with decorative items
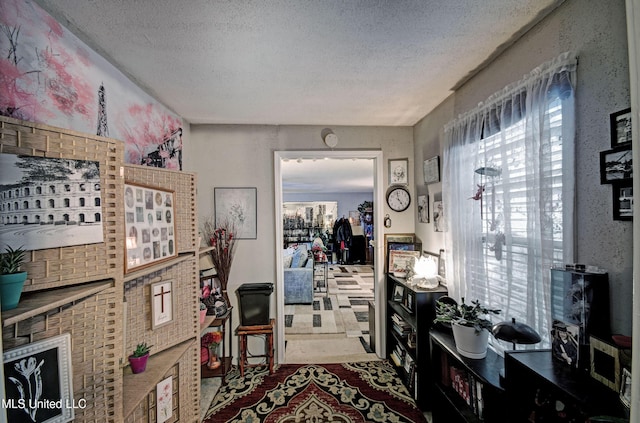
x=214, y=343
x=410, y=314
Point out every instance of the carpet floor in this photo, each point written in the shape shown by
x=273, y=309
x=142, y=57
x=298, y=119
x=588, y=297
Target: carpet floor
x=349, y=392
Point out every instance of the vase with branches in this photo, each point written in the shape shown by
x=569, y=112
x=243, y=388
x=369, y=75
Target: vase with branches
x=222, y=238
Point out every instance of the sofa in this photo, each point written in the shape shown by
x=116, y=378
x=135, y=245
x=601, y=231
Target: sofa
x=298, y=276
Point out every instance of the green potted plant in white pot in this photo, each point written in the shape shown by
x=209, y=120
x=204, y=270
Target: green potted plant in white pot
x=469, y=324
x=11, y=278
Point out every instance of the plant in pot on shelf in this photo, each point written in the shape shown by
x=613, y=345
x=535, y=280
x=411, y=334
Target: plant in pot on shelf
x=138, y=359
x=11, y=278
x=211, y=340
x=469, y=323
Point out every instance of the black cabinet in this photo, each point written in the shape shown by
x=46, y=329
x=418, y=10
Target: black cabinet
x=465, y=389
x=410, y=314
x=541, y=389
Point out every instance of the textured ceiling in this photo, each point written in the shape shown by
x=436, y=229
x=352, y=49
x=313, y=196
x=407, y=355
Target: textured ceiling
x=299, y=62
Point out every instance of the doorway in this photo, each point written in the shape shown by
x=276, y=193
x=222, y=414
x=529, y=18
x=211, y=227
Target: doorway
x=281, y=157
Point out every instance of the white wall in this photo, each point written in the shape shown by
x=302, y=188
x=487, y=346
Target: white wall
x=596, y=32
x=242, y=156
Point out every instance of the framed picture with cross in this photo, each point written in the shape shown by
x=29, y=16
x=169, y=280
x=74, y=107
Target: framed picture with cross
x=162, y=304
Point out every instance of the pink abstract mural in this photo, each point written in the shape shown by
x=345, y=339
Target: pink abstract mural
x=47, y=75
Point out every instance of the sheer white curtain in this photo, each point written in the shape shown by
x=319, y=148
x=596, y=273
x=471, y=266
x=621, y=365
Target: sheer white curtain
x=508, y=193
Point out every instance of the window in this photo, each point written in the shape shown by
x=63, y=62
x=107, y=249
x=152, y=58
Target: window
x=508, y=183
x=52, y=203
x=81, y=201
x=52, y=189
x=27, y=191
x=25, y=205
x=97, y=201
x=38, y=190
x=67, y=203
x=38, y=204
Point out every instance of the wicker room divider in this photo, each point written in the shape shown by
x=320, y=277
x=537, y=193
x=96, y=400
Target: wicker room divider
x=80, y=290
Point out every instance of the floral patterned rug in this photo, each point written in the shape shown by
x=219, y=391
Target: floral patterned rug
x=344, y=393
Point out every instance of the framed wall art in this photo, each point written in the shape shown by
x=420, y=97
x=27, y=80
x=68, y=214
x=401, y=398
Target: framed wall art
x=38, y=382
x=400, y=260
x=423, y=208
x=162, y=303
x=49, y=202
x=149, y=226
x=605, y=363
x=164, y=403
x=616, y=165
x=620, y=128
x=238, y=207
x=625, y=388
x=431, y=170
x=623, y=201
x=398, y=171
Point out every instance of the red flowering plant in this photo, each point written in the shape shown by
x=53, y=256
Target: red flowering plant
x=223, y=242
x=211, y=340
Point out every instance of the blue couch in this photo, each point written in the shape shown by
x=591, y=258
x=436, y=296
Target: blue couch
x=298, y=276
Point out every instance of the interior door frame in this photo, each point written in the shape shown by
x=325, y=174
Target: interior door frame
x=378, y=201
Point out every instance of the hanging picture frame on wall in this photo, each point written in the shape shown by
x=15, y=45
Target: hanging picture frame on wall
x=238, y=207
x=398, y=171
x=616, y=165
x=149, y=226
x=431, y=170
x=622, y=201
x=620, y=128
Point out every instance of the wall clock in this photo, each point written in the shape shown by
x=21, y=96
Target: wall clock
x=398, y=198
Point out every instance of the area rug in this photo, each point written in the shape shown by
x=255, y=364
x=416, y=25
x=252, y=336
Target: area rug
x=344, y=393
x=344, y=310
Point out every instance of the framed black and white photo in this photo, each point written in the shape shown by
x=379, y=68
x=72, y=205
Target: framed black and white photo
x=622, y=201
x=431, y=170
x=38, y=382
x=625, y=387
x=616, y=165
x=398, y=293
x=237, y=207
x=439, y=223
x=423, y=208
x=442, y=268
x=564, y=343
x=605, y=363
x=398, y=171
x=150, y=233
x=49, y=202
x=162, y=304
x=620, y=128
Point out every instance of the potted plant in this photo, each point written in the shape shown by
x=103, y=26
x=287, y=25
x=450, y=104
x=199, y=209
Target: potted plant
x=138, y=359
x=11, y=278
x=469, y=324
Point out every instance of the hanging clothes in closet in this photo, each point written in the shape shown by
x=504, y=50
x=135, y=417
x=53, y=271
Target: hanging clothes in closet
x=343, y=237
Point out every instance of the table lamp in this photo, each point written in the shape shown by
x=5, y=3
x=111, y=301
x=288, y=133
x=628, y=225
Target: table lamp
x=516, y=333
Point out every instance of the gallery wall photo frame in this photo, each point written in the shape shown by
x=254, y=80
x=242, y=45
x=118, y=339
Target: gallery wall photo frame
x=150, y=232
x=625, y=388
x=616, y=165
x=163, y=306
x=423, y=209
x=51, y=358
x=622, y=200
x=238, y=207
x=398, y=171
x=620, y=124
x=604, y=363
x=431, y=170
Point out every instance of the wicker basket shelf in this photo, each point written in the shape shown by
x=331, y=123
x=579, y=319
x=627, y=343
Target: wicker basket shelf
x=136, y=386
x=36, y=303
x=157, y=267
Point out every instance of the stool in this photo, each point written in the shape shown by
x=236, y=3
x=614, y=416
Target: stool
x=244, y=331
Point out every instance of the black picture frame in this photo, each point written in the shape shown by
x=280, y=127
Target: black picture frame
x=620, y=124
x=53, y=401
x=622, y=196
x=616, y=165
